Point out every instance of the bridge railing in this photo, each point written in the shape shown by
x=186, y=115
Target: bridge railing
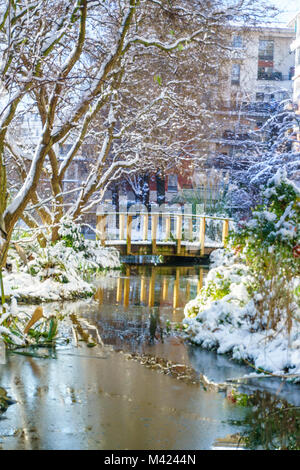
x=163, y=228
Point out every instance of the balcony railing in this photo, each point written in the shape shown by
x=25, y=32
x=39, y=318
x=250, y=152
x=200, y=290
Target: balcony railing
x=259, y=107
x=230, y=135
x=274, y=76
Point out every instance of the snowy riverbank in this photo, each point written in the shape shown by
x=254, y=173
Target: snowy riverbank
x=229, y=324
x=55, y=273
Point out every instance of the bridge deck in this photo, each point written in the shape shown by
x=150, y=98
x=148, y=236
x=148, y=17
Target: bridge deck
x=139, y=248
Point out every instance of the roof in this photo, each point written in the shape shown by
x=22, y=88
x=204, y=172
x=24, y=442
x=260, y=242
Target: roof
x=292, y=22
x=274, y=28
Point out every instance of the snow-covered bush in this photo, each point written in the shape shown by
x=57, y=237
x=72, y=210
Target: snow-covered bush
x=275, y=224
x=58, y=271
x=71, y=234
x=71, y=254
x=268, y=245
x=249, y=305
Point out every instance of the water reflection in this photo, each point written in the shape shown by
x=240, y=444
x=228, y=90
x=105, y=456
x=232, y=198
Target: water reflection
x=135, y=306
x=84, y=400
x=152, y=286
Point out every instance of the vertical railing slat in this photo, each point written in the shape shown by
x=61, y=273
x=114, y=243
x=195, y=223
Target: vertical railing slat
x=128, y=233
x=121, y=226
x=154, y=219
x=225, y=231
x=168, y=226
x=202, y=236
x=145, y=227
x=190, y=228
x=178, y=233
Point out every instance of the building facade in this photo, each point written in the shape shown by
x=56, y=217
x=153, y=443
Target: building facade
x=260, y=77
x=295, y=48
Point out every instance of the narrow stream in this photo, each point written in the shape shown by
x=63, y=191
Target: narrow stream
x=98, y=398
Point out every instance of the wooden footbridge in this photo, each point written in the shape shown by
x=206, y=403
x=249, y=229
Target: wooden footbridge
x=166, y=234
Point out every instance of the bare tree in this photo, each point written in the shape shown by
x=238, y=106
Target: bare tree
x=83, y=67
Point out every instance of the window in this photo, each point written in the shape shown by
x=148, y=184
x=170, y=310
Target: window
x=260, y=96
x=267, y=73
x=237, y=41
x=65, y=148
x=266, y=61
x=266, y=50
x=235, y=74
x=281, y=95
x=172, y=183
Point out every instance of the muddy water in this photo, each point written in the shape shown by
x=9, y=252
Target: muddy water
x=100, y=399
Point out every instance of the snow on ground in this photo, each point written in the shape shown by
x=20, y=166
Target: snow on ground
x=57, y=272
x=228, y=324
x=31, y=289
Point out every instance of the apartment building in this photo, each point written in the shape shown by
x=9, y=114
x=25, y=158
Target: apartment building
x=295, y=48
x=259, y=77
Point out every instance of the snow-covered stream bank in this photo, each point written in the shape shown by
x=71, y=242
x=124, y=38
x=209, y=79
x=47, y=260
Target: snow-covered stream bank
x=57, y=273
x=229, y=324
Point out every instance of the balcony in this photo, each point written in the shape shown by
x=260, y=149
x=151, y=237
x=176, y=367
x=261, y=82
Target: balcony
x=274, y=76
x=230, y=135
x=260, y=107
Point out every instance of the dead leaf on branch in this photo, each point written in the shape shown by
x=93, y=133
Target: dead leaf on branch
x=36, y=316
x=21, y=253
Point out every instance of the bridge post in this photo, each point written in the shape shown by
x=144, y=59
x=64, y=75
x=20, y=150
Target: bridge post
x=225, y=231
x=101, y=225
x=178, y=232
x=128, y=233
x=202, y=236
x=154, y=219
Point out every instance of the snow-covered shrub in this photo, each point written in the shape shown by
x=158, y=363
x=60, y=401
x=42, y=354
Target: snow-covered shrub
x=72, y=255
x=249, y=305
x=275, y=224
x=58, y=271
x=70, y=233
x=268, y=244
